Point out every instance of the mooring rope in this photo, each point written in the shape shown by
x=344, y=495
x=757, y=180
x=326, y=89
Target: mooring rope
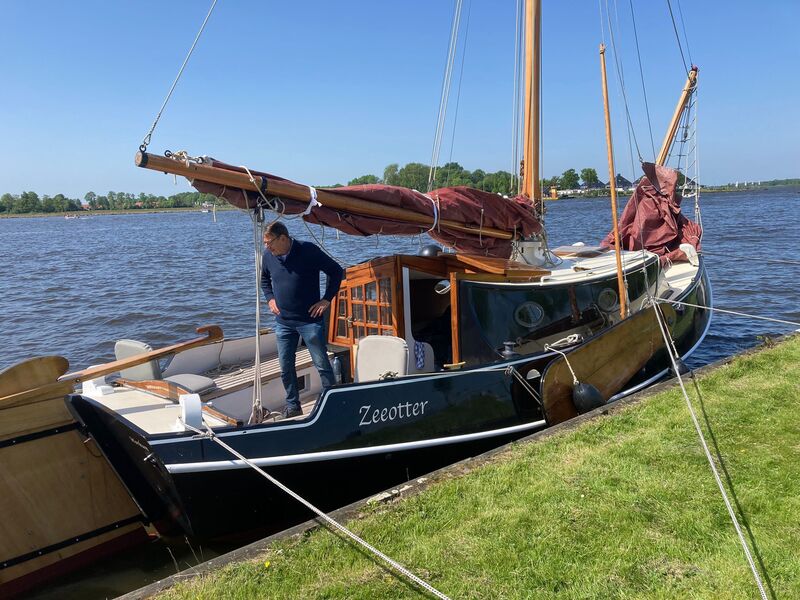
x=730, y=312
x=673, y=357
x=332, y=522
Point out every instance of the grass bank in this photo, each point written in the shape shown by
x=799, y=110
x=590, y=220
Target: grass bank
x=620, y=507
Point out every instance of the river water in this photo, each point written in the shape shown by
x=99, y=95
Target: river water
x=74, y=286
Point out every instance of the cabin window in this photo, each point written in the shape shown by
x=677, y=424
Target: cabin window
x=365, y=308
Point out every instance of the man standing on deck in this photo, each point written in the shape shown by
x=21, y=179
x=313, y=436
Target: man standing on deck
x=290, y=281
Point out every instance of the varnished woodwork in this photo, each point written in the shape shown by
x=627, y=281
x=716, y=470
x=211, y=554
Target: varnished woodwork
x=213, y=334
x=688, y=88
x=454, y=318
x=55, y=485
x=606, y=361
x=623, y=297
x=296, y=191
x=159, y=387
x=31, y=373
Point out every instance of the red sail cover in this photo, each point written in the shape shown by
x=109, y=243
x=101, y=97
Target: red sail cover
x=653, y=216
x=471, y=207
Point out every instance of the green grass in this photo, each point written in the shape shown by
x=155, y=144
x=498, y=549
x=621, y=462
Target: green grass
x=621, y=507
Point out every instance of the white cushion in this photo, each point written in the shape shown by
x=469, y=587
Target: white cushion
x=379, y=355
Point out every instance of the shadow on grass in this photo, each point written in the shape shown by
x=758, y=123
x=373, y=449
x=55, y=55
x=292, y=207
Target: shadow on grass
x=731, y=490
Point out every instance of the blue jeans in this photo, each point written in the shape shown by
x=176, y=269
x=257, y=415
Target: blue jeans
x=313, y=335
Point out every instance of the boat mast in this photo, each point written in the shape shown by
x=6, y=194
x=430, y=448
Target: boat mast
x=613, y=183
x=691, y=83
x=531, y=185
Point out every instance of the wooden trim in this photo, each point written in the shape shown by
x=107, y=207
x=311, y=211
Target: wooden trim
x=454, y=318
x=213, y=334
x=295, y=191
x=158, y=387
x=399, y=301
x=39, y=394
x=221, y=416
x=495, y=278
x=497, y=266
x=31, y=373
x=688, y=88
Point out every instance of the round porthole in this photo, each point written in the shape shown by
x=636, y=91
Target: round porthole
x=608, y=300
x=529, y=314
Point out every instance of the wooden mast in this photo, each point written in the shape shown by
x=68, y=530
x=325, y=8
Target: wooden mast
x=691, y=83
x=531, y=185
x=613, y=183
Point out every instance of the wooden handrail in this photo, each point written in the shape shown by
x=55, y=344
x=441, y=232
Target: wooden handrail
x=301, y=193
x=214, y=334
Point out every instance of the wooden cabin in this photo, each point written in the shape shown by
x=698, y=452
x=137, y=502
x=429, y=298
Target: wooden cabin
x=415, y=298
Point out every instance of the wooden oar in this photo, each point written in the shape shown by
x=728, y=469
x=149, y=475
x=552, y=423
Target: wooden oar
x=214, y=334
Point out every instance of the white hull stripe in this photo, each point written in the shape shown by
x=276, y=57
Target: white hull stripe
x=269, y=461
x=364, y=386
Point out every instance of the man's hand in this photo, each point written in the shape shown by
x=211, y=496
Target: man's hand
x=318, y=308
x=273, y=306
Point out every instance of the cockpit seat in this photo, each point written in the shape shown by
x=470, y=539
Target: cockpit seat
x=151, y=371
x=385, y=356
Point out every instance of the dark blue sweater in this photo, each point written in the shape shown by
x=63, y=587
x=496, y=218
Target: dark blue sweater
x=293, y=281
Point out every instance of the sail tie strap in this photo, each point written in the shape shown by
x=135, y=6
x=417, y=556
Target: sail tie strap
x=208, y=433
x=435, y=204
x=314, y=202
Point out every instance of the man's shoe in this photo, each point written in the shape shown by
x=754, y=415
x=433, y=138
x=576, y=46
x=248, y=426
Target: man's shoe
x=290, y=412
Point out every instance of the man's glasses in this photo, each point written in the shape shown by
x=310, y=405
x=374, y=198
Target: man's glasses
x=269, y=242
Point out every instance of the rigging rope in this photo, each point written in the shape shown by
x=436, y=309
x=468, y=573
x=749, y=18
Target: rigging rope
x=329, y=520
x=147, y=138
x=443, y=101
x=641, y=77
x=516, y=122
x=729, y=312
x=685, y=37
x=257, y=413
x=677, y=37
x=458, y=92
x=670, y=344
x=621, y=82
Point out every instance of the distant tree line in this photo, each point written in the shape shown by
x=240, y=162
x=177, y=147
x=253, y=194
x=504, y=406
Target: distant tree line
x=30, y=202
x=415, y=176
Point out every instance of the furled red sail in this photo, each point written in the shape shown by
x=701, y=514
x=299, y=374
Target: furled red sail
x=653, y=217
x=460, y=217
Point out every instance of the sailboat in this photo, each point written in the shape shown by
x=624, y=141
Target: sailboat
x=441, y=355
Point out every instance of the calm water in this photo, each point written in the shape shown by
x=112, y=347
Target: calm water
x=73, y=287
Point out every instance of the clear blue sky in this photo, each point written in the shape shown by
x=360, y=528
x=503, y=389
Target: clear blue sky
x=322, y=92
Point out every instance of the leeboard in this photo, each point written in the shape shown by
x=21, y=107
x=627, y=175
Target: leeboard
x=607, y=361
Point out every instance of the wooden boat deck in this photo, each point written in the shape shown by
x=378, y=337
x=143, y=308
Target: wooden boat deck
x=232, y=378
